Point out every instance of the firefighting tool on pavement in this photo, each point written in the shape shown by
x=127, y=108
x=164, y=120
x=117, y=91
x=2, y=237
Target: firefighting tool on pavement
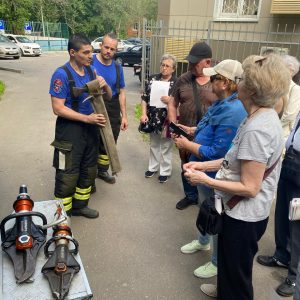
x=23, y=241
x=61, y=265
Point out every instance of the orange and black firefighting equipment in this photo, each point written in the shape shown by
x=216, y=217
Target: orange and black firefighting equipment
x=23, y=241
x=61, y=266
x=93, y=88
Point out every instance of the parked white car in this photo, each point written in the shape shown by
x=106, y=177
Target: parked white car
x=123, y=45
x=97, y=44
x=27, y=46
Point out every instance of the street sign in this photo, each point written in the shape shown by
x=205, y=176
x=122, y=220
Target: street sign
x=27, y=28
x=2, y=24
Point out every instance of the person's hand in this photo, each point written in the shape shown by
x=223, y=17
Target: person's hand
x=180, y=141
x=196, y=177
x=97, y=119
x=102, y=81
x=124, y=123
x=194, y=166
x=165, y=99
x=144, y=119
x=187, y=129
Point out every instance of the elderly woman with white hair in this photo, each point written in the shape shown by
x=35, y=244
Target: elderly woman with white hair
x=160, y=140
x=291, y=103
x=250, y=170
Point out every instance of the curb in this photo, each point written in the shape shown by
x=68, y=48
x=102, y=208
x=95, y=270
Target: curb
x=21, y=71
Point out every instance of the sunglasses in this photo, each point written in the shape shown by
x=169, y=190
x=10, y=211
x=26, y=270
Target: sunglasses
x=216, y=77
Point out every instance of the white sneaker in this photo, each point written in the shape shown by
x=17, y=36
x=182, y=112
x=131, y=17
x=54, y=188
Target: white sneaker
x=209, y=290
x=207, y=271
x=193, y=247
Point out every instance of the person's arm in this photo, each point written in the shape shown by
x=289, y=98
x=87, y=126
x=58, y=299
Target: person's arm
x=222, y=138
x=183, y=143
x=292, y=107
x=122, y=99
x=252, y=173
x=204, y=166
x=172, y=110
x=144, y=118
x=63, y=111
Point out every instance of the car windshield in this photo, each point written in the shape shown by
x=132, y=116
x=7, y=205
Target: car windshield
x=4, y=39
x=23, y=39
x=127, y=42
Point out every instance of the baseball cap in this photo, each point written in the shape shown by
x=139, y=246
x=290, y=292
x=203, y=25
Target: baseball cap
x=199, y=51
x=228, y=68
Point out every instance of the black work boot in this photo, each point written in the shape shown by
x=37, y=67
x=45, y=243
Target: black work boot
x=85, y=212
x=287, y=288
x=104, y=175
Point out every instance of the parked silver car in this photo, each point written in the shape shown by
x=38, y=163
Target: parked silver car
x=9, y=49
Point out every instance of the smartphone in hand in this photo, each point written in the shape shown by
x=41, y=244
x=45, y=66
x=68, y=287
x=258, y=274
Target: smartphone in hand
x=177, y=130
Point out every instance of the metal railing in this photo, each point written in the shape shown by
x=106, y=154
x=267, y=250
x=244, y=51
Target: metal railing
x=227, y=40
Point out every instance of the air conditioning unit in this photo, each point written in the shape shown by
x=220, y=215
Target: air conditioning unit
x=277, y=50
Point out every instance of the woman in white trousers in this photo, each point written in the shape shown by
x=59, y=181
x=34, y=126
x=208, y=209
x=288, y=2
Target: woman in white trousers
x=160, y=140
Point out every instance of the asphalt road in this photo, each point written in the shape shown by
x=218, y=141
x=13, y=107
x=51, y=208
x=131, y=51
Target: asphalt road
x=132, y=251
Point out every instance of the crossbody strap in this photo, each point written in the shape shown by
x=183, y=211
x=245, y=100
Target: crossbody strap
x=233, y=201
x=118, y=77
x=196, y=99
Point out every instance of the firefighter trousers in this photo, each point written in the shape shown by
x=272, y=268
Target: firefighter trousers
x=75, y=160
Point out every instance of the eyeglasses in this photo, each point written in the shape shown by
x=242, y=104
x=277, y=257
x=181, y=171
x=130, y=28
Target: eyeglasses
x=237, y=79
x=165, y=66
x=216, y=77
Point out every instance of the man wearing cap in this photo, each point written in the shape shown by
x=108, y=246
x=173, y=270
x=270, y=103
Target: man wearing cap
x=192, y=95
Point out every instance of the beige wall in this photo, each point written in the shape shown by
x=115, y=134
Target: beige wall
x=201, y=11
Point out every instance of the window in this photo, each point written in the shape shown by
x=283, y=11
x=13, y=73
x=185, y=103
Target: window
x=237, y=10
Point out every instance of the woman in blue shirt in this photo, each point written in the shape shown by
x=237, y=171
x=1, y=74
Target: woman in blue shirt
x=212, y=139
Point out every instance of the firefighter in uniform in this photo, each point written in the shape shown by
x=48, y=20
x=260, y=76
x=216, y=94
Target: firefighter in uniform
x=77, y=132
x=113, y=74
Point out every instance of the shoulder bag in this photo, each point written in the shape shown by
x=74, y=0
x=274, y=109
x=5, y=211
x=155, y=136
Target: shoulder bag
x=209, y=220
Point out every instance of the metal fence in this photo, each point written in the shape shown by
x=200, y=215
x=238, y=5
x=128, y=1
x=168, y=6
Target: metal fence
x=227, y=40
x=50, y=36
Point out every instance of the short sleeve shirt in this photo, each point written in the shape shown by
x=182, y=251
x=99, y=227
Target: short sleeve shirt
x=259, y=139
x=59, y=88
x=184, y=98
x=109, y=73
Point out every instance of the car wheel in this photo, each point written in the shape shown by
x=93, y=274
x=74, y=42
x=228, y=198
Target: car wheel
x=16, y=57
x=120, y=61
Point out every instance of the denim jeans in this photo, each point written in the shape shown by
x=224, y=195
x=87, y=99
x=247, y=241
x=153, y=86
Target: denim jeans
x=190, y=191
x=203, y=193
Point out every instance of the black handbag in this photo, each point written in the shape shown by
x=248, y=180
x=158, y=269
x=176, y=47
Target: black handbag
x=290, y=169
x=145, y=127
x=209, y=221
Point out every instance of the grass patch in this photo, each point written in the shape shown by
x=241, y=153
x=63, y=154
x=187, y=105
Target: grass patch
x=2, y=87
x=138, y=111
x=137, y=116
